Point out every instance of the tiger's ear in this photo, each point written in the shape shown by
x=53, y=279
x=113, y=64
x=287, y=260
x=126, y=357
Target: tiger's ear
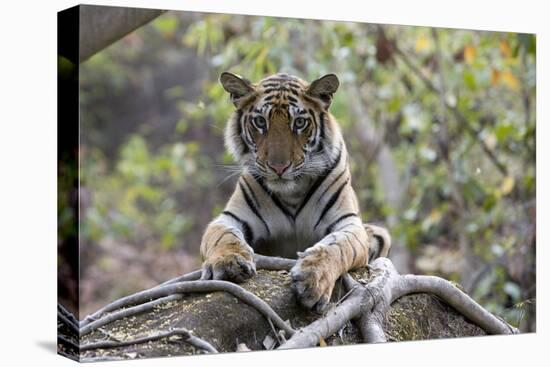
x=323, y=88
x=237, y=86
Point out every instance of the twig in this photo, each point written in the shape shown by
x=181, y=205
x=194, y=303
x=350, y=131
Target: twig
x=184, y=333
x=345, y=296
x=310, y=335
x=274, y=330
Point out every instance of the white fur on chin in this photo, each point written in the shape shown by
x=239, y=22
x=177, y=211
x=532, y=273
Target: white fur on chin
x=280, y=186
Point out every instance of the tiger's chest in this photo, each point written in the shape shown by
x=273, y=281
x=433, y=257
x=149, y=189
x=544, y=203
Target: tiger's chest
x=288, y=235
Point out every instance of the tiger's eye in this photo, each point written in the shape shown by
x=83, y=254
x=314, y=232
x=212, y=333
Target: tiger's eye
x=300, y=123
x=260, y=122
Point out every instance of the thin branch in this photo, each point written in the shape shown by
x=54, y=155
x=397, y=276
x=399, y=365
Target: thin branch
x=262, y=262
x=274, y=331
x=126, y=312
x=194, y=275
x=183, y=333
x=196, y=286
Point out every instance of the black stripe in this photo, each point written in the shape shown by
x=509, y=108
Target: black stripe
x=240, y=131
x=322, y=124
x=248, y=135
x=275, y=199
x=332, y=183
x=380, y=245
x=253, y=208
x=247, y=231
x=318, y=182
x=353, y=249
x=239, y=126
x=220, y=238
x=330, y=228
x=279, y=89
x=352, y=233
x=292, y=99
x=322, y=134
x=293, y=91
x=341, y=251
x=317, y=128
x=331, y=202
x=312, y=100
x=380, y=240
x=251, y=191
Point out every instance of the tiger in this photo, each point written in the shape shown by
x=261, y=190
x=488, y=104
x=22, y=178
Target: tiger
x=294, y=196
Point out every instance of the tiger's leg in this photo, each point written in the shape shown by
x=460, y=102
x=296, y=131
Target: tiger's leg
x=318, y=268
x=225, y=252
x=381, y=244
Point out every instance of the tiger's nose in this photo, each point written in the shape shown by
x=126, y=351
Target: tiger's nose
x=279, y=168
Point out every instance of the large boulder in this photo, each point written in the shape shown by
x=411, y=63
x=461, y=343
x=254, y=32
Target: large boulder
x=225, y=322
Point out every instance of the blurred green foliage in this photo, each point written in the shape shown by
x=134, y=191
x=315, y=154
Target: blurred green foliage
x=455, y=109
x=137, y=201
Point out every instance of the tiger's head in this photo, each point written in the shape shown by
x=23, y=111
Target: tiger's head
x=281, y=130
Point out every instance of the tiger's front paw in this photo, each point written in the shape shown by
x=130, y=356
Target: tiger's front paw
x=231, y=262
x=313, y=278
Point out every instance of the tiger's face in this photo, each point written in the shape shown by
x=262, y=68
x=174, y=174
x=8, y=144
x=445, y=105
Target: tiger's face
x=279, y=127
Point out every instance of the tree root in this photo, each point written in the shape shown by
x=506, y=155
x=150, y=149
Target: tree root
x=185, y=335
x=192, y=286
x=365, y=304
x=262, y=262
x=370, y=303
